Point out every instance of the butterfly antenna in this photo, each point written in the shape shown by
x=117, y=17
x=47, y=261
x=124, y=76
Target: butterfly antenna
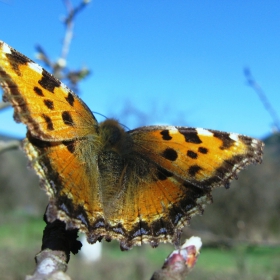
x=97, y=113
x=126, y=127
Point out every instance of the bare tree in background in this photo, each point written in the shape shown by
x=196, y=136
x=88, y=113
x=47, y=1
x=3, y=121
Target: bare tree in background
x=263, y=97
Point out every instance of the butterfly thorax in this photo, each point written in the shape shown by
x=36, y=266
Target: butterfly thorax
x=119, y=165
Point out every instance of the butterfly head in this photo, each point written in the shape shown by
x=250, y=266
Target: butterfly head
x=114, y=138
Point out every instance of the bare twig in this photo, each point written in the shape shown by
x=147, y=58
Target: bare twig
x=58, y=68
x=57, y=243
x=50, y=265
x=180, y=262
x=252, y=82
x=72, y=12
x=43, y=56
x=69, y=23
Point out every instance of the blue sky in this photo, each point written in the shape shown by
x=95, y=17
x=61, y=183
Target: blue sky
x=168, y=62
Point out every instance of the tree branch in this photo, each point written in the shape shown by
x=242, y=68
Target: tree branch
x=180, y=262
x=253, y=83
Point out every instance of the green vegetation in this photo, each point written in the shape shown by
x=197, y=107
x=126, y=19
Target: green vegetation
x=20, y=240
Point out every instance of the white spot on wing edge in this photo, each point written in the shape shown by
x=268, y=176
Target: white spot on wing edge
x=234, y=136
x=172, y=129
x=256, y=143
x=6, y=48
x=65, y=88
x=35, y=67
x=205, y=132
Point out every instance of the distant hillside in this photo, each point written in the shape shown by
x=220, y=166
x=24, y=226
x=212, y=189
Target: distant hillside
x=7, y=138
x=19, y=185
x=273, y=139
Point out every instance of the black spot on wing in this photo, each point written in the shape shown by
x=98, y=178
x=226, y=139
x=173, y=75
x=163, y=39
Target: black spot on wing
x=15, y=58
x=245, y=139
x=18, y=57
x=38, y=91
x=67, y=119
x=119, y=229
x=192, y=154
x=49, y=104
x=162, y=227
x=187, y=204
x=202, y=150
x=195, y=192
x=176, y=214
x=194, y=169
x=70, y=99
x=140, y=229
x=165, y=135
x=70, y=145
x=227, y=142
x=48, y=81
x=48, y=122
x=170, y=154
x=39, y=143
x=190, y=135
x=74, y=211
x=162, y=174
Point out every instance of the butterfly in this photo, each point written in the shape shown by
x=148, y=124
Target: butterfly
x=138, y=186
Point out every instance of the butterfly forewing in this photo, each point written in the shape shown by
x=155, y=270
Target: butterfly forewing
x=49, y=109
x=206, y=158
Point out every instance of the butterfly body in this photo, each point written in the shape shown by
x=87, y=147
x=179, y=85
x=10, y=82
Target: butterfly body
x=138, y=186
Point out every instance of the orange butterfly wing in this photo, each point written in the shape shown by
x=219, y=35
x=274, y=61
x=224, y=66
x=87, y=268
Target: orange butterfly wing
x=205, y=158
x=59, y=126
x=51, y=111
